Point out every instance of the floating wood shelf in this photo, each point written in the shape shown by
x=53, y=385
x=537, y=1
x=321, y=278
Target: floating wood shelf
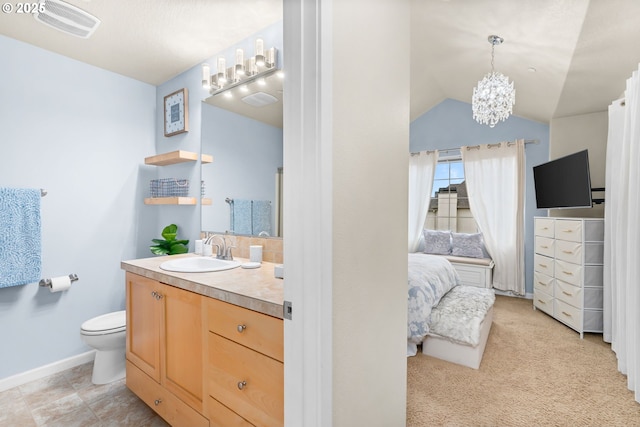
x=179, y=156
x=170, y=201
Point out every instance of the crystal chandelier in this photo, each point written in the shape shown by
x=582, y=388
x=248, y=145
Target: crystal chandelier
x=494, y=97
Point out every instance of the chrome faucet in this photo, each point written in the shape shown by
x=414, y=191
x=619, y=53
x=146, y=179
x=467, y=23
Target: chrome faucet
x=223, y=250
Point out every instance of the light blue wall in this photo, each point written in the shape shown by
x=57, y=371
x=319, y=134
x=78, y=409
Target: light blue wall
x=450, y=124
x=188, y=217
x=81, y=133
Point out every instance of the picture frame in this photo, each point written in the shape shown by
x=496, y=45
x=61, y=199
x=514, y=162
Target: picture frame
x=176, y=112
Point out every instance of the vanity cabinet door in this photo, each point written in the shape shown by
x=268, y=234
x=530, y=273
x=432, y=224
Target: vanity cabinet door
x=182, y=345
x=143, y=320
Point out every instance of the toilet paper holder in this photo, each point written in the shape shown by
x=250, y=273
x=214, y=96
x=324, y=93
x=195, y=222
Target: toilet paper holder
x=47, y=282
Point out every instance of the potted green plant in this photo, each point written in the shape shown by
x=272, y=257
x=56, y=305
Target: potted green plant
x=170, y=245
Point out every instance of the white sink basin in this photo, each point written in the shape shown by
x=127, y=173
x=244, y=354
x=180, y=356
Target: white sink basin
x=198, y=265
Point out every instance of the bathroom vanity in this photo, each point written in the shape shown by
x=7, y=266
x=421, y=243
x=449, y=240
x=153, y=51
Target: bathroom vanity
x=206, y=349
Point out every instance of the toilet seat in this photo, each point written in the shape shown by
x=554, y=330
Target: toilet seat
x=109, y=323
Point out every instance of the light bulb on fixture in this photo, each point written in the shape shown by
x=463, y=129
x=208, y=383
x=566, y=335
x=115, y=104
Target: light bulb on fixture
x=260, y=53
x=206, y=76
x=494, y=97
x=222, y=71
x=239, y=62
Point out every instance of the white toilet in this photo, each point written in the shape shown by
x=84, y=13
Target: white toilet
x=107, y=334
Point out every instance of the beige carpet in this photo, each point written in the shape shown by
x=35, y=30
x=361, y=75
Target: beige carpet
x=535, y=372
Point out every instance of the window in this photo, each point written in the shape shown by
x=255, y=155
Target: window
x=449, y=204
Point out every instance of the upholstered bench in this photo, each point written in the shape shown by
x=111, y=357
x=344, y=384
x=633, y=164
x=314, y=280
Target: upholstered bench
x=460, y=325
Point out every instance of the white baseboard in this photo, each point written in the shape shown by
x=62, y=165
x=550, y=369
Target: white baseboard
x=46, y=370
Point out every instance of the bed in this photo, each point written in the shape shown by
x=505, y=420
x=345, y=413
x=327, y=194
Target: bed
x=451, y=321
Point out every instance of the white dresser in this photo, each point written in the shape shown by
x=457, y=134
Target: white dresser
x=567, y=278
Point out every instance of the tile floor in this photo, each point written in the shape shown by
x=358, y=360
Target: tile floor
x=69, y=399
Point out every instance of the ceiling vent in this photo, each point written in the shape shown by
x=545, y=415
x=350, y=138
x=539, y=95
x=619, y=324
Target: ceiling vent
x=259, y=99
x=68, y=18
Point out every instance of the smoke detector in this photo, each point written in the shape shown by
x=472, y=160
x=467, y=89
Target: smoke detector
x=259, y=99
x=67, y=18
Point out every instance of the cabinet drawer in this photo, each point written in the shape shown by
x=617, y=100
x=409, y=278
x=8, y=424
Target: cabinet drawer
x=543, y=301
x=567, y=314
x=221, y=416
x=543, y=283
x=570, y=273
x=568, y=251
x=245, y=381
x=543, y=264
x=544, y=227
x=568, y=293
x=544, y=246
x=252, y=329
x=169, y=407
x=566, y=229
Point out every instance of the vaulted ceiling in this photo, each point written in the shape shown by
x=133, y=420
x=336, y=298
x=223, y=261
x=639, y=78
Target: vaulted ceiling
x=582, y=51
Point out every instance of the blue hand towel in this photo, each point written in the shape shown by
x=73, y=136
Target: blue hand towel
x=241, y=216
x=20, y=241
x=261, y=217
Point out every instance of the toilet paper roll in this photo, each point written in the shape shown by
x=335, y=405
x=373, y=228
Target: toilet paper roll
x=59, y=284
x=255, y=253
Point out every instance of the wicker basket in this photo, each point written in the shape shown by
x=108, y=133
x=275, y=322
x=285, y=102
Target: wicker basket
x=169, y=187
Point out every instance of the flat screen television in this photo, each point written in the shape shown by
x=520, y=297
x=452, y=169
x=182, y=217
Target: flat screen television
x=564, y=182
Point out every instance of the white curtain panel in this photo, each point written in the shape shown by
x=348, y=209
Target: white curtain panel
x=422, y=167
x=622, y=235
x=495, y=175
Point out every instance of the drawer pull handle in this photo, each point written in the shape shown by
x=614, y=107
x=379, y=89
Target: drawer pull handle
x=568, y=252
x=154, y=294
x=542, y=283
x=567, y=231
x=242, y=385
x=566, y=314
x=543, y=265
x=241, y=328
x=157, y=402
x=568, y=273
x=567, y=293
x=545, y=228
x=541, y=302
x=544, y=247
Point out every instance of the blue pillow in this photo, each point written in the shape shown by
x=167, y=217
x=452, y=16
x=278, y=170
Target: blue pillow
x=467, y=245
x=437, y=242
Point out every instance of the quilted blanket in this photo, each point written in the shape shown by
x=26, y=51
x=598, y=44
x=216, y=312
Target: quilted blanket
x=430, y=278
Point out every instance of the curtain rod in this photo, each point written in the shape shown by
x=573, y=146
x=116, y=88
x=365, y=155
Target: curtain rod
x=447, y=150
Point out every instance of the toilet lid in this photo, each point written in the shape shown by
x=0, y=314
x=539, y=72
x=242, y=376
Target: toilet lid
x=110, y=322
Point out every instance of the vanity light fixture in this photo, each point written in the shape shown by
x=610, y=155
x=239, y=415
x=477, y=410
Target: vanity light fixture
x=494, y=97
x=243, y=71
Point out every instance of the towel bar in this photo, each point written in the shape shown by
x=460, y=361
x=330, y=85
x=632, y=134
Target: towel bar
x=47, y=282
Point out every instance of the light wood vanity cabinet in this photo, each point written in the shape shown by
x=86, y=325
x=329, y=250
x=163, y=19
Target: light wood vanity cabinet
x=244, y=370
x=164, y=349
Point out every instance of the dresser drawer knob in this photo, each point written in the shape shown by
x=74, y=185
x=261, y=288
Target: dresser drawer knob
x=566, y=314
x=157, y=402
x=241, y=328
x=242, y=385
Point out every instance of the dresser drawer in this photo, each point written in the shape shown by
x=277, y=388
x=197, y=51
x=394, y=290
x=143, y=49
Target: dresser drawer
x=568, y=293
x=169, y=407
x=543, y=301
x=543, y=264
x=543, y=283
x=221, y=416
x=544, y=227
x=567, y=314
x=568, y=251
x=570, y=273
x=544, y=246
x=566, y=229
x=252, y=329
x=245, y=381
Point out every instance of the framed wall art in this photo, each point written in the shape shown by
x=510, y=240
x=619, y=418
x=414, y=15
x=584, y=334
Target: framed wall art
x=176, y=112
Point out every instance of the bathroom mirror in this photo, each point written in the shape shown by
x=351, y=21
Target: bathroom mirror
x=242, y=130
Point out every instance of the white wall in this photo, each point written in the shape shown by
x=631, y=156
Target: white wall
x=576, y=133
x=81, y=133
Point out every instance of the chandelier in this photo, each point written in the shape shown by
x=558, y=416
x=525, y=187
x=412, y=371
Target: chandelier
x=494, y=97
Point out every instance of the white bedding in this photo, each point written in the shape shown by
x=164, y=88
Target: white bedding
x=430, y=278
